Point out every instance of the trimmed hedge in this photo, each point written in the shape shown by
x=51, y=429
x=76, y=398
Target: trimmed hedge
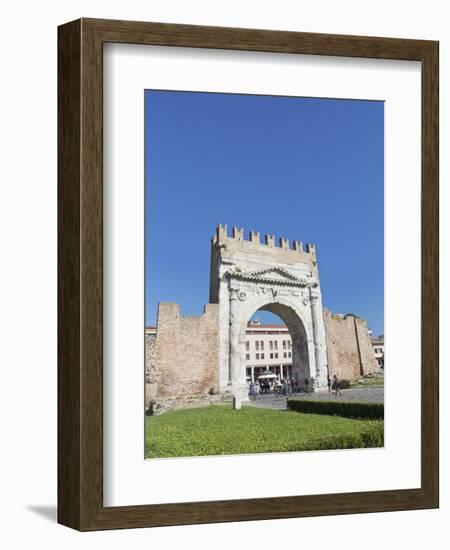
x=349, y=409
x=372, y=436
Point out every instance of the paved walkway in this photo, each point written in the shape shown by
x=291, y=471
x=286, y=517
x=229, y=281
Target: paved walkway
x=269, y=401
x=368, y=395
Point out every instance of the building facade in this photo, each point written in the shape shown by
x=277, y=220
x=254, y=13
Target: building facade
x=378, y=349
x=268, y=348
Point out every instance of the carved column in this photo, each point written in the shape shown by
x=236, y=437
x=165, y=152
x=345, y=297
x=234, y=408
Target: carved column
x=237, y=367
x=320, y=349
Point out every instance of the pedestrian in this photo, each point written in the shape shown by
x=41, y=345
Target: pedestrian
x=277, y=386
x=336, y=386
x=306, y=385
x=257, y=391
x=329, y=383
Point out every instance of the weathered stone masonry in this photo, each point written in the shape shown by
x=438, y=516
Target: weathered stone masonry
x=350, y=353
x=182, y=361
x=247, y=276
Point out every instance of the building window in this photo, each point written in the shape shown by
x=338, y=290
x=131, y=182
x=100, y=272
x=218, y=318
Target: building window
x=247, y=356
x=247, y=345
x=289, y=354
x=284, y=345
x=271, y=355
x=257, y=356
x=276, y=356
x=257, y=345
x=262, y=355
x=262, y=345
x=284, y=354
x=271, y=344
x=276, y=344
x=289, y=344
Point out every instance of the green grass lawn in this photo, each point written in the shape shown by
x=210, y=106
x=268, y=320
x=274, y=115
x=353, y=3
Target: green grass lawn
x=218, y=430
x=368, y=382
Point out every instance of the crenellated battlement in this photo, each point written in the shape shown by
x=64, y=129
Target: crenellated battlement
x=270, y=241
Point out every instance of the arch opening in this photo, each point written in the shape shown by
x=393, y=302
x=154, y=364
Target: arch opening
x=274, y=348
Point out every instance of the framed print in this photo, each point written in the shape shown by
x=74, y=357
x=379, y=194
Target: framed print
x=248, y=274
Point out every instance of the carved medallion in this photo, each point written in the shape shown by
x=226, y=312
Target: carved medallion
x=242, y=295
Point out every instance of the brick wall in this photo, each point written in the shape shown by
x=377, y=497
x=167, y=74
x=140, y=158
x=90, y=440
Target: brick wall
x=187, y=353
x=369, y=363
x=349, y=350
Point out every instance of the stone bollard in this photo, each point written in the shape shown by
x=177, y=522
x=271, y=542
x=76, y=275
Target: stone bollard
x=237, y=404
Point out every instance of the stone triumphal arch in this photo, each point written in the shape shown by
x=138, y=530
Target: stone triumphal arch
x=246, y=276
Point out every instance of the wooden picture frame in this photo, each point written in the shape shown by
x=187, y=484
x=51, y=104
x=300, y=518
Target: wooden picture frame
x=80, y=272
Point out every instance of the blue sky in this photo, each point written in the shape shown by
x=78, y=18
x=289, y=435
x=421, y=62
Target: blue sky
x=309, y=169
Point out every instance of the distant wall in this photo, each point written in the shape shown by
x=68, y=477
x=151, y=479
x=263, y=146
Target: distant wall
x=184, y=359
x=369, y=362
x=349, y=350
